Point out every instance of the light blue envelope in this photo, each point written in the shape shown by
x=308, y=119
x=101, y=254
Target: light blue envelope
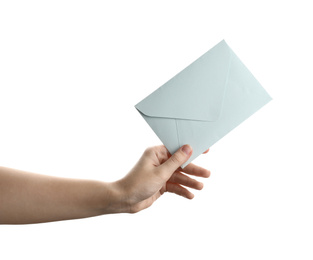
x=203, y=102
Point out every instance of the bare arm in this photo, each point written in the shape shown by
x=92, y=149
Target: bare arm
x=32, y=198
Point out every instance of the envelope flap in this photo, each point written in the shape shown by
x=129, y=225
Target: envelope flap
x=196, y=93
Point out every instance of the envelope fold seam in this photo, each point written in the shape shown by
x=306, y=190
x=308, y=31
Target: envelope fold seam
x=177, y=133
x=226, y=82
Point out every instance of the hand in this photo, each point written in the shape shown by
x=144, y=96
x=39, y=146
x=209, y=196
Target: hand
x=157, y=172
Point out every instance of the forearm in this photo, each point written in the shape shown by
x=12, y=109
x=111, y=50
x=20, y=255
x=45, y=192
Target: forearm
x=33, y=198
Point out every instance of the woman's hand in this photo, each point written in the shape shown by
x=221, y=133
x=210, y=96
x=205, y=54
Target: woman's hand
x=155, y=173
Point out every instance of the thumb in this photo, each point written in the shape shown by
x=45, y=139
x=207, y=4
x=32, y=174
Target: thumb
x=177, y=159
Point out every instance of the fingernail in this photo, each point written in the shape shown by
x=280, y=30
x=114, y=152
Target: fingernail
x=187, y=149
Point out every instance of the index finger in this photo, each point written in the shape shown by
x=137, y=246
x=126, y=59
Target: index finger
x=196, y=170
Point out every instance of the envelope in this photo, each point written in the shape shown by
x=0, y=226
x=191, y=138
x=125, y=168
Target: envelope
x=203, y=102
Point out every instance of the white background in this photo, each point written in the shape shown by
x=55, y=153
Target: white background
x=70, y=75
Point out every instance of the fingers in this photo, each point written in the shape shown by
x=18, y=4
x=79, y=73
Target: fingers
x=177, y=179
x=184, y=180
x=176, y=160
x=179, y=190
x=206, y=151
x=195, y=170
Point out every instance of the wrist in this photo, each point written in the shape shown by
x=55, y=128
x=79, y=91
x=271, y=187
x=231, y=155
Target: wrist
x=115, y=199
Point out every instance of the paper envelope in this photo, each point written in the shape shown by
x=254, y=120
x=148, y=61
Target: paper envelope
x=203, y=102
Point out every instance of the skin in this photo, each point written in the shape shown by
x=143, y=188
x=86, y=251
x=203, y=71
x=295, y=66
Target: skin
x=27, y=198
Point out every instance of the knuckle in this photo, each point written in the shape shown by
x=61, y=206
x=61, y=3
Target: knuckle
x=148, y=151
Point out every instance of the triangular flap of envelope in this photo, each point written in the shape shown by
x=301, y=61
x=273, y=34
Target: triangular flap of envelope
x=196, y=93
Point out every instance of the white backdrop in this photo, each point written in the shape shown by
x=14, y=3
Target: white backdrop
x=70, y=75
